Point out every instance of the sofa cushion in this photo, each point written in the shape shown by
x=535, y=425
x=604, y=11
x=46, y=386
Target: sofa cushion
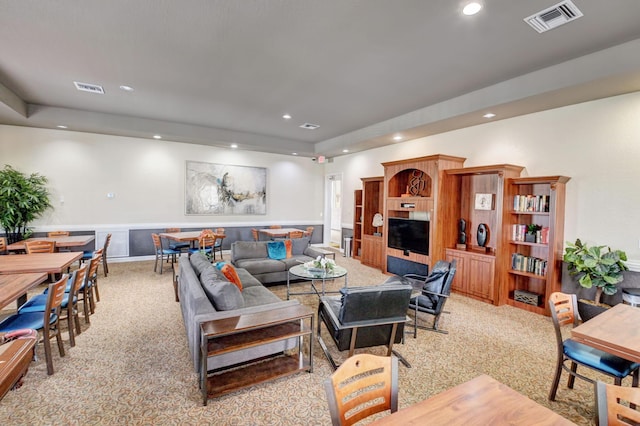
x=261, y=266
x=230, y=272
x=199, y=262
x=258, y=295
x=211, y=273
x=298, y=245
x=248, y=250
x=224, y=295
x=295, y=260
x=276, y=250
x=247, y=279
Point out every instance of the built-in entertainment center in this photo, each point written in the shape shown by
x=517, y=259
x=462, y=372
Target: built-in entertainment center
x=434, y=209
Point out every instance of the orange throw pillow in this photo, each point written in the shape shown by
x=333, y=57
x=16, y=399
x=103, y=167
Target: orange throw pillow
x=232, y=275
x=287, y=246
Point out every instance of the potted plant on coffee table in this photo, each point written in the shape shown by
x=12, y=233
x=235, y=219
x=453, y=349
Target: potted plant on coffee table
x=23, y=198
x=595, y=266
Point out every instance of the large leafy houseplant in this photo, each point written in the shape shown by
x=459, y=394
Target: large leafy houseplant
x=597, y=266
x=23, y=198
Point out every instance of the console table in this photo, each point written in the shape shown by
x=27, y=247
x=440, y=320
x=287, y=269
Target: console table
x=219, y=337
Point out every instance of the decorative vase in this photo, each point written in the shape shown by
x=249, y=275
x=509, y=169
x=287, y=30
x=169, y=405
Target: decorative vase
x=482, y=235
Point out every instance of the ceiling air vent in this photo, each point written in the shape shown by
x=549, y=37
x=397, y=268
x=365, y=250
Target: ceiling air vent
x=554, y=16
x=91, y=88
x=309, y=126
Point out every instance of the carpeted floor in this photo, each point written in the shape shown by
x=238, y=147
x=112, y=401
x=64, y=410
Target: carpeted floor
x=131, y=364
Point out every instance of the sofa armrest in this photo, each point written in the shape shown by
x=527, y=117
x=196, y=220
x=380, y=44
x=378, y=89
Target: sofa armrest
x=311, y=252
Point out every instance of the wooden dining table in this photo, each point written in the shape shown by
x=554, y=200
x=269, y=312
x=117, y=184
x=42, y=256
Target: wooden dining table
x=15, y=286
x=278, y=232
x=480, y=401
x=67, y=242
x=186, y=236
x=50, y=263
x=614, y=331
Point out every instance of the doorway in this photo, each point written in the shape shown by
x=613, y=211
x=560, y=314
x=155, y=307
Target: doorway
x=333, y=211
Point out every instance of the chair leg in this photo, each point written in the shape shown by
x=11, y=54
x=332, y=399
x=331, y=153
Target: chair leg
x=76, y=319
x=572, y=376
x=72, y=340
x=556, y=382
x=105, y=266
x=95, y=288
x=47, y=349
x=60, y=342
x=415, y=322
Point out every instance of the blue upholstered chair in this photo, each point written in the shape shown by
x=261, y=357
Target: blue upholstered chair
x=162, y=254
x=564, y=311
x=176, y=245
x=47, y=321
x=69, y=310
x=87, y=255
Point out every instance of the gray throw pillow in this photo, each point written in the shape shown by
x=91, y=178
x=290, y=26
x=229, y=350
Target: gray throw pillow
x=224, y=295
x=298, y=245
x=211, y=273
x=199, y=262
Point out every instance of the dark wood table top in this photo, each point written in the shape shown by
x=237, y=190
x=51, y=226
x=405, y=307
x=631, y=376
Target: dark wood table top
x=186, y=236
x=480, y=401
x=614, y=331
x=15, y=285
x=278, y=232
x=67, y=242
x=50, y=263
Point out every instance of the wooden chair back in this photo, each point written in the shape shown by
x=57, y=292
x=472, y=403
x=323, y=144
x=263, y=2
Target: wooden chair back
x=105, y=247
x=3, y=245
x=57, y=234
x=617, y=405
x=51, y=328
x=157, y=243
x=275, y=226
x=40, y=246
x=171, y=230
x=363, y=385
x=207, y=239
x=254, y=233
x=296, y=234
x=309, y=231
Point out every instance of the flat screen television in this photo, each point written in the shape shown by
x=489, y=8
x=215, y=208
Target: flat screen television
x=409, y=235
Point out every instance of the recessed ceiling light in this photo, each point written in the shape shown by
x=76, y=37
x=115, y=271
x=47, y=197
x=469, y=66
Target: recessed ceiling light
x=397, y=138
x=60, y=126
x=294, y=153
x=157, y=137
x=345, y=150
x=287, y=116
x=234, y=146
x=489, y=115
x=126, y=88
x=472, y=8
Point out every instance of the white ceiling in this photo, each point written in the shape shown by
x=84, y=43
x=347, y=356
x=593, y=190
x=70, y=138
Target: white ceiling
x=216, y=72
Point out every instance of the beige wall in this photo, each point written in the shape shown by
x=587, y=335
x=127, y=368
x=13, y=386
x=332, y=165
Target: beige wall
x=147, y=178
x=597, y=144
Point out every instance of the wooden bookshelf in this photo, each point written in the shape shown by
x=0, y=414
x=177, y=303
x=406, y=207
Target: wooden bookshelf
x=356, y=248
x=372, y=203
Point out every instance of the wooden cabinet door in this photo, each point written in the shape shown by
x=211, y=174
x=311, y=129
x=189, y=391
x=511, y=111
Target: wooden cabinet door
x=460, y=280
x=372, y=251
x=480, y=276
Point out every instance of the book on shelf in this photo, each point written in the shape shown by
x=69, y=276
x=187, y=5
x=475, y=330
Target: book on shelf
x=533, y=265
x=519, y=232
x=531, y=203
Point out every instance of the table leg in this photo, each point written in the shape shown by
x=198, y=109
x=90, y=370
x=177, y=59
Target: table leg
x=288, y=279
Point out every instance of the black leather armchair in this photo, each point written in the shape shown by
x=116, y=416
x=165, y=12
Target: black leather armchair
x=365, y=316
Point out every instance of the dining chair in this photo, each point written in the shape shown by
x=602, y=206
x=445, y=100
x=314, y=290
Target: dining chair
x=206, y=241
x=275, y=226
x=309, y=232
x=363, y=385
x=3, y=245
x=48, y=321
x=57, y=234
x=86, y=288
x=296, y=234
x=40, y=246
x=617, y=405
x=69, y=307
x=92, y=274
x=255, y=234
x=217, y=246
x=161, y=253
x=177, y=245
x=564, y=312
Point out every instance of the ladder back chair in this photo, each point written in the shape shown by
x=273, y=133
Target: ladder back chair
x=40, y=246
x=162, y=253
x=617, y=405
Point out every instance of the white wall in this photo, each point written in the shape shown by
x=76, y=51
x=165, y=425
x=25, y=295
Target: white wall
x=596, y=143
x=147, y=178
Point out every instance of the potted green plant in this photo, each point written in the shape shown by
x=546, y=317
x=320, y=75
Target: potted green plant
x=596, y=266
x=532, y=230
x=23, y=198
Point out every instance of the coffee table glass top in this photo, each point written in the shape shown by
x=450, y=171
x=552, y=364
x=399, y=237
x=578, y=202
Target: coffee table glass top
x=317, y=274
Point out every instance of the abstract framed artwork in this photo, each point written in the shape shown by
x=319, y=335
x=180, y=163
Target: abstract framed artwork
x=222, y=189
x=484, y=201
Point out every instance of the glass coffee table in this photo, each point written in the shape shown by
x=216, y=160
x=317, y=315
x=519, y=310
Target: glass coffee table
x=315, y=275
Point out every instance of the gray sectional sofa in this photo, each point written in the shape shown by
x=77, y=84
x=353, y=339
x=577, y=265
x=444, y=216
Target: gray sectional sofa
x=205, y=294
x=253, y=256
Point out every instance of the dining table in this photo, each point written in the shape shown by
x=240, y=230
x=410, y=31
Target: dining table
x=480, y=401
x=278, y=232
x=66, y=242
x=187, y=236
x=50, y=263
x=15, y=286
x=614, y=331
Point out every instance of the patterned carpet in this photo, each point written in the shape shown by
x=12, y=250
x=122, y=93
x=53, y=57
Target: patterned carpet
x=131, y=364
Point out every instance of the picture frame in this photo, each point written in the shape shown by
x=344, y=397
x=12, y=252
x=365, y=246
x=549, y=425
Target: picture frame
x=484, y=201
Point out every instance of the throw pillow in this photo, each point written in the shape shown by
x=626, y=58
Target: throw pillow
x=288, y=245
x=224, y=295
x=199, y=262
x=276, y=250
x=232, y=275
x=219, y=265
